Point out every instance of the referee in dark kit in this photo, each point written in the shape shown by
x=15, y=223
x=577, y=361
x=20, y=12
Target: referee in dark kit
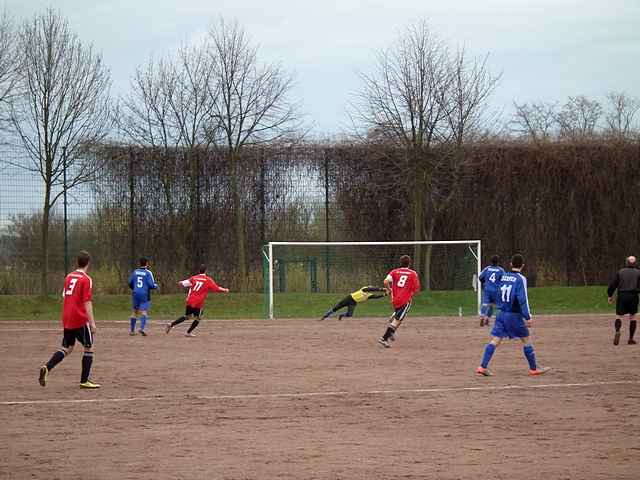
x=627, y=282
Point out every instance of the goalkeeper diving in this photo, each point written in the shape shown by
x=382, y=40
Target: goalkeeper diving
x=353, y=299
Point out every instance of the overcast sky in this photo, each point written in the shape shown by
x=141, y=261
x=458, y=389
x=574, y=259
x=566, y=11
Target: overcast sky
x=546, y=49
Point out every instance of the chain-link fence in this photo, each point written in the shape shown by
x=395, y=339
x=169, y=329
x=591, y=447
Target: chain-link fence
x=570, y=209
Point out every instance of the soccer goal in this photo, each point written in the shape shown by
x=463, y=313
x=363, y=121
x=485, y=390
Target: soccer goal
x=303, y=279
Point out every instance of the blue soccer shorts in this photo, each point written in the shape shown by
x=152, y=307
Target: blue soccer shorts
x=488, y=297
x=509, y=325
x=139, y=302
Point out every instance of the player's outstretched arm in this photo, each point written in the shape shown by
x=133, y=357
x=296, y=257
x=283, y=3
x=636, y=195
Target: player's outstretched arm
x=217, y=288
x=185, y=283
x=373, y=289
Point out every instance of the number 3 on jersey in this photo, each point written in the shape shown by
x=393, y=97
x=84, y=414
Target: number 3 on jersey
x=402, y=280
x=72, y=285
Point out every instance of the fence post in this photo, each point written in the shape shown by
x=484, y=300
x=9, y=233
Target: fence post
x=326, y=219
x=65, y=204
x=263, y=208
x=132, y=222
x=192, y=162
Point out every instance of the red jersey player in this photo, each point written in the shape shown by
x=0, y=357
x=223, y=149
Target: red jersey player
x=77, y=322
x=199, y=287
x=404, y=284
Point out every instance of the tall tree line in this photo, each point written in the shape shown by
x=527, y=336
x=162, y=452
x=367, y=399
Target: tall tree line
x=424, y=100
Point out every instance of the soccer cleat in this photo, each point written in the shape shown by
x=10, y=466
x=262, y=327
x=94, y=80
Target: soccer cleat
x=340, y=317
x=631, y=341
x=143, y=333
x=132, y=333
x=384, y=343
x=539, y=371
x=189, y=334
x=616, y=338
x=89, y=384
x=485, y=372
x=44, y=375
x=168, y=329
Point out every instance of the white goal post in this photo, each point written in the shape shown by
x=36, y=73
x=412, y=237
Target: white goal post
x=474, y=247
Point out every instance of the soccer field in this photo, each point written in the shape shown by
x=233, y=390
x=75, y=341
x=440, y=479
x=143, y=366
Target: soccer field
x=301, y=399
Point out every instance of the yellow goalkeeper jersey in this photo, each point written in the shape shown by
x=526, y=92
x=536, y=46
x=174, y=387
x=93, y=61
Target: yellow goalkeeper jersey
x=365, y=293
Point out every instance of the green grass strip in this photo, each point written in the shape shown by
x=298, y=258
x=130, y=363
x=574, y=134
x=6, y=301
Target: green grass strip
x=544, y=300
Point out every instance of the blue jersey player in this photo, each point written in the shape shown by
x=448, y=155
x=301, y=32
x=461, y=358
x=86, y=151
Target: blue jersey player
x=513, y=319
x=489, y=278
x=141, y=283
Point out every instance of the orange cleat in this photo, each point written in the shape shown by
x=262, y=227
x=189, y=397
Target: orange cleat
x=539, y=371
x=485, y=372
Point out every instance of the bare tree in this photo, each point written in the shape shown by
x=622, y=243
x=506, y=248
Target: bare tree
x=9, y=62
x=536, y=121
x=62, y=101
x=426, y=101
x=578, y=118
x=171, y=102
x=195, y=97
x=170, y=107
x=145, y=114
x=253, y=107
x=621, y=114
x=470, y=86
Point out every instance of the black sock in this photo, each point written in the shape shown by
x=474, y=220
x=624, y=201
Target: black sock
x=632, y=329
x=618, y=324
x=55, y=359
x=390, y=331
x=178, y=321
x=87, y=360
x=193, y=326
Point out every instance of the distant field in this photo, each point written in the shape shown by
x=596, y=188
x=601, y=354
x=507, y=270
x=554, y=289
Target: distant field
x=544, y=300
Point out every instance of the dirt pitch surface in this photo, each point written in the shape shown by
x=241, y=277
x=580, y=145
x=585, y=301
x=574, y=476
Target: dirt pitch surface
x=302, y=399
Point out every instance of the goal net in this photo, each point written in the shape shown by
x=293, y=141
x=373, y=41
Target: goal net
x=304, y=279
